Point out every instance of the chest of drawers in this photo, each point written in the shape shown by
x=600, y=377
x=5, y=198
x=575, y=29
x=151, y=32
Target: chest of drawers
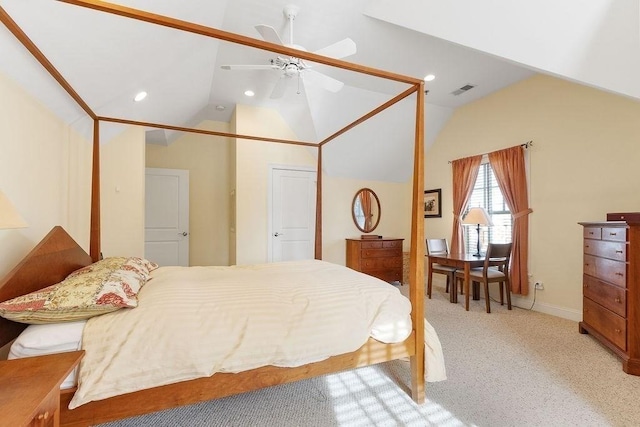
x=381, y=258
x=611, y=292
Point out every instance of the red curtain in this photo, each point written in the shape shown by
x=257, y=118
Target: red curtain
x=508, y=166
x=465, y=173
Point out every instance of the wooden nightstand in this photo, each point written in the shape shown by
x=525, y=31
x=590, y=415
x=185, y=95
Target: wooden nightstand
x=30, y=388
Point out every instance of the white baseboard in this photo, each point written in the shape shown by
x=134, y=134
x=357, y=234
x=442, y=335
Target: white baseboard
x=563, y=312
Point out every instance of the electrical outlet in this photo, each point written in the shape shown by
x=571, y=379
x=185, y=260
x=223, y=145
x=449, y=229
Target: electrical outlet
x=538, y=285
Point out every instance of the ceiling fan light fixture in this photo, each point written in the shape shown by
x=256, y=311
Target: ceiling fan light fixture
x=140, y=96
x=249, y=93
x=429, y=77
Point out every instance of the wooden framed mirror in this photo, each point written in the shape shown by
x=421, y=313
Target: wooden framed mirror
x=365, y=210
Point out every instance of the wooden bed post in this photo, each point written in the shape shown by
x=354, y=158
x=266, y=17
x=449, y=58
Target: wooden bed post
x=416, y=257
x=94, y=242
x=318, y=250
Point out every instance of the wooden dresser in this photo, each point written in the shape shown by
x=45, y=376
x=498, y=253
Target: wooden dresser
x=611, y=288
x=381, y=258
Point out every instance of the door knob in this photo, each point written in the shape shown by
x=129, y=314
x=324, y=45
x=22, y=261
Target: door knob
x=185, y=234
x=276, y=234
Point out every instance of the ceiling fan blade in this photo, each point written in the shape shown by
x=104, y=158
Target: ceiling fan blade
x=339, y=49
x=269, y=34
x=322, y=80
x=249, y=67
x=279, y=88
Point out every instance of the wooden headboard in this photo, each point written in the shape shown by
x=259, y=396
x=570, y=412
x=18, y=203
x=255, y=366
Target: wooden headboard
x=48, y=263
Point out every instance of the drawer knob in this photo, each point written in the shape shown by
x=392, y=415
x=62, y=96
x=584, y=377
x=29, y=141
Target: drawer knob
x=619, y=274
x=591, y=232
x=586, y=246
x=613, y=234
x=617, y=299
x=618, y=331
x=618, y=252
x=586, y=285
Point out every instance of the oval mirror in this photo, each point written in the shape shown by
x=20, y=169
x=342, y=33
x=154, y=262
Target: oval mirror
x=366, y=210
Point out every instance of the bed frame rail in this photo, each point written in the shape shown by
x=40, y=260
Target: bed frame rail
x=223, y=385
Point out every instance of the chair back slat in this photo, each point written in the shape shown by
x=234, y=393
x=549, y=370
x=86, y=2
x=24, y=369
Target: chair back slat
x=498, y=255
x=437, y=246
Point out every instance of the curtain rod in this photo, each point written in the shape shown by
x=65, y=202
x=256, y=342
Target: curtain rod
x=524, y=145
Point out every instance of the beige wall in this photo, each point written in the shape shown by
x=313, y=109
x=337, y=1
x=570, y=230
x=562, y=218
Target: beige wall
x=122, y=194
x=252, y=165
x=232, y=191
x=44, y=170
x=338, y=193
x=47, y=176
x=583, y=164
x=207, y=160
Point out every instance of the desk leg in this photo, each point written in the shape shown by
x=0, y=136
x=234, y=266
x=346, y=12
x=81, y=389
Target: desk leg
x=466, y=285
x=429, y=278
x=453, y=289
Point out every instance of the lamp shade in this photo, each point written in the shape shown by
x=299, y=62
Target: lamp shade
x=477, y=216
x=9, y=216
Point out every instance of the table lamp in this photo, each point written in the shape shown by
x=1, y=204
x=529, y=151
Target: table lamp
x=9, y=216
x=477, y=216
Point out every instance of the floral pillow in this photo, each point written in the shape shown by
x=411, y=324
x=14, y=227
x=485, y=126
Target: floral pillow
x=105, y=286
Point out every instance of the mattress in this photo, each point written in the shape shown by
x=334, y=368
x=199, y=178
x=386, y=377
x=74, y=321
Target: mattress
x=192, y=322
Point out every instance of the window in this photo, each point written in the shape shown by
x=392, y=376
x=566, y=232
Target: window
x=487, y=194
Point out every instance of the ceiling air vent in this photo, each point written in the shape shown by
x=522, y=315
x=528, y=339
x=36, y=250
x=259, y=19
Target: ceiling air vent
x=463, y=89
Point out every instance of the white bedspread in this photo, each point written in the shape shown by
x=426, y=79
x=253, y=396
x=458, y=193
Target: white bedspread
x=194, y=321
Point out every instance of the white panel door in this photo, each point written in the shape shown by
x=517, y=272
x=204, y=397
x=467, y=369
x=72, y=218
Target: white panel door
x=293, y=214
x=166, y=237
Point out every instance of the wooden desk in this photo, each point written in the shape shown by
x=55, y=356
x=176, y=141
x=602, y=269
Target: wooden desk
x=30, y=388
x=460, y=261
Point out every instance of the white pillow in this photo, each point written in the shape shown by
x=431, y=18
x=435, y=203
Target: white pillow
x=50, y=338
x=38, y=340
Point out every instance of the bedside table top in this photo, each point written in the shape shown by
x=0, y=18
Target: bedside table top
x=27, y=382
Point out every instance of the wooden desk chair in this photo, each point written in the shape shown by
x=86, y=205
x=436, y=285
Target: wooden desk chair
x=439, y=246
x=495, y=269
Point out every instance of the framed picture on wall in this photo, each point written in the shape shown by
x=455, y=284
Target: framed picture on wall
x=432, y=205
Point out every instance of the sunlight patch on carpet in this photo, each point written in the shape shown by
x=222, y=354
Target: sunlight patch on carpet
x=367, y=397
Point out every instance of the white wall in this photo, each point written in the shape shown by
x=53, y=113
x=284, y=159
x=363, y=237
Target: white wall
x=584, y=163
x=595, y=42
x=45, y=170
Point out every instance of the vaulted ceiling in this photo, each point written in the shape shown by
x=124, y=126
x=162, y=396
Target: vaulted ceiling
x=107, y=59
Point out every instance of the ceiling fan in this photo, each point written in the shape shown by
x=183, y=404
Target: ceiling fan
x=292, y=67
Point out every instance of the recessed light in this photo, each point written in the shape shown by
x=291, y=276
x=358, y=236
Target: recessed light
x=249, y=92
x=429, y=77
x=140, y=96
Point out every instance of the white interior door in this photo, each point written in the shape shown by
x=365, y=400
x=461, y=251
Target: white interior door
x=292, y=219
x=166, y=237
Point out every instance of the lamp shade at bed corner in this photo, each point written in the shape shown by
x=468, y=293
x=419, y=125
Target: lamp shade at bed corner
x=9, y=216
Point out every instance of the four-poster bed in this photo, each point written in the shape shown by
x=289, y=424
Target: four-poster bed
x=58, y=255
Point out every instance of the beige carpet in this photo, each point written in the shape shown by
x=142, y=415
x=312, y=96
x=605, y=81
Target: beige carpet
x=507, y=368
